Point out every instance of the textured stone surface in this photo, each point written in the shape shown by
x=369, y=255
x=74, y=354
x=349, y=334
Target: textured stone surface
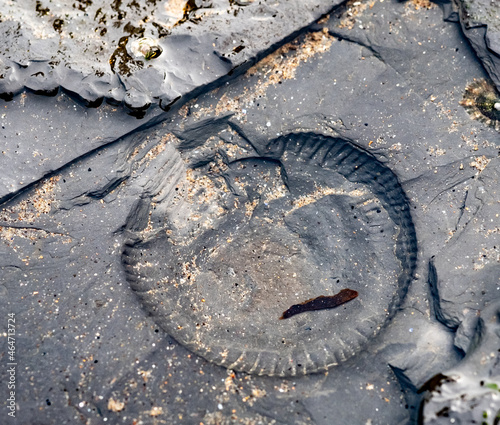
x=247, y=238
x=481, y=24
x=46, y=134
x=84, y=47
x=388, y=77
x=470, y=392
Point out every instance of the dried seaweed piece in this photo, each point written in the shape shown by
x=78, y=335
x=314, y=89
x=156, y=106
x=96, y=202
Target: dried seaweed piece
x=321, y=303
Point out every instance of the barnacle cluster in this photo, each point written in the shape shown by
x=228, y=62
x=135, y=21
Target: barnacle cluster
x=146, y=48
x=482, y=101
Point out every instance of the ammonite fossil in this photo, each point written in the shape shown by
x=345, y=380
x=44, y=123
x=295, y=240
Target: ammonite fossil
x=244, y=240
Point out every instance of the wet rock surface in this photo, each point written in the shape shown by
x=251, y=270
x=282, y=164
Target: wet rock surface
x=120, y=234
x=470, y=392
x=90, y=50
x=481, y=25
x=302, y=216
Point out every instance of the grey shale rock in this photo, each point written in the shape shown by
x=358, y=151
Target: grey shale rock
x=480, y=21
x=304, y=216
x=85, y=190
x=476, y=262
x=470, y=392
x=86, y=47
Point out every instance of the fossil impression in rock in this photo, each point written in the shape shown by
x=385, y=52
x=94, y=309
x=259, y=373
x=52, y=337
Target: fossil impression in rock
x=242, y=240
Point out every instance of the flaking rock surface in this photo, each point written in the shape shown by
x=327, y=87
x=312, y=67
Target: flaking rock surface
x=86, y=47
x=81, y=184
x=480, y=21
